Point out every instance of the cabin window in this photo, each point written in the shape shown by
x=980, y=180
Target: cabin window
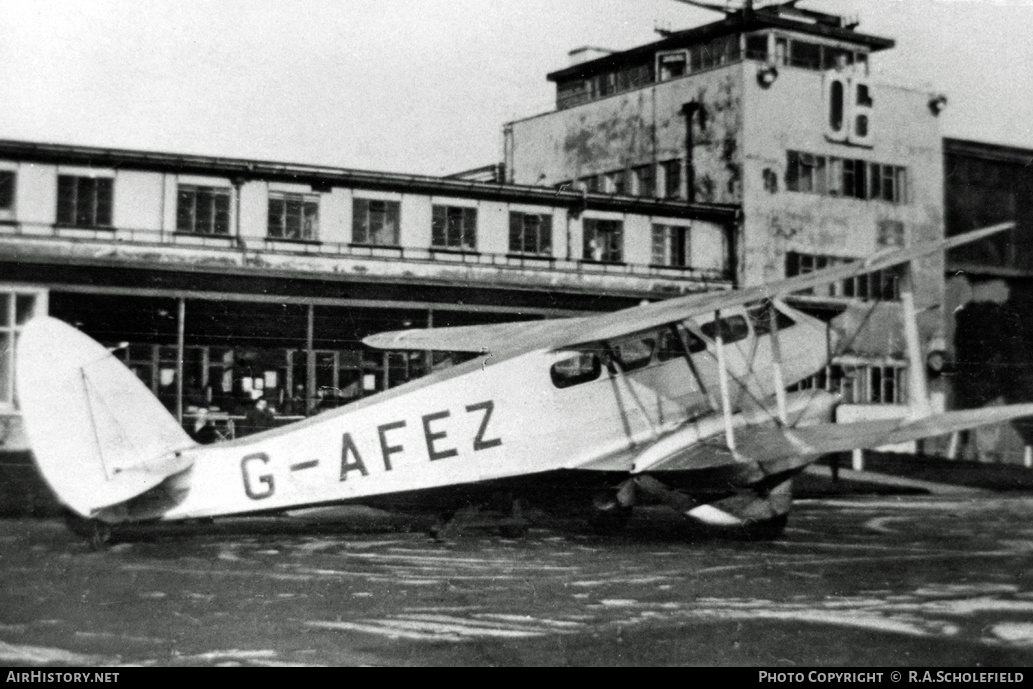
x=671, y=344
x=454, y=227
x=633, y=354
x=84, y=201
x=579, y=367
x=203, y=210
x=760, y=317
x=375, y=222
x=530, y=233
x=604, y=240
x=293, y=216
x=733, y=329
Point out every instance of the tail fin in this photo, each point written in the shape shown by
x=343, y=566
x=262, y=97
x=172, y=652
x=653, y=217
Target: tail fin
x=98, y=434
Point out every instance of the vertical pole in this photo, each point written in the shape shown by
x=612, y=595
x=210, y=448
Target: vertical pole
x=917, y=390
x=428, y=356
x=776, y=355
x=310, y=358
x=722, y=377
x=386, y=361
x=181, y=313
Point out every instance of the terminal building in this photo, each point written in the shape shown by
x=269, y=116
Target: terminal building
x=747, y=150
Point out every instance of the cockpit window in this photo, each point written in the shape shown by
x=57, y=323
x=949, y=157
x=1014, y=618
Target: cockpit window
x=733, y=329
x=760, y=316
x=634, y=354
x=579, y=367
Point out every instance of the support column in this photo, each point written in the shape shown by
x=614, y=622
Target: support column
x=310, y=358
x=428, y=355
x=181, y=314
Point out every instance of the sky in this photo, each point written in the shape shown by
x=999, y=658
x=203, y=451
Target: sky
x=417, y=86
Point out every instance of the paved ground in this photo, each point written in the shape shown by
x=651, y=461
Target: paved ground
x=857, y=581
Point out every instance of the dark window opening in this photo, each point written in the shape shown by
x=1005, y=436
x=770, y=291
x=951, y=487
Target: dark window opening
x=84, y=201
x=580, y=367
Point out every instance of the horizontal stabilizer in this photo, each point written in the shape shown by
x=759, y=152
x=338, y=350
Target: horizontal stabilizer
x=98, y=435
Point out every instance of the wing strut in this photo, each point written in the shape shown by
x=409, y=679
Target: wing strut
x=722, y=377
x=776, y=369
x=631, y=391
x=918, y=394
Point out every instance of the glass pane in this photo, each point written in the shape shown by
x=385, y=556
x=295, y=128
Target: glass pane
x=6, y=363
x=5, y=310
x=25, y=308
x=66, y=199
x=6, y=189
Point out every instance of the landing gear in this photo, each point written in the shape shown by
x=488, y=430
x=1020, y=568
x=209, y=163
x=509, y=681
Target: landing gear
x=612, y=508
x=96, y=532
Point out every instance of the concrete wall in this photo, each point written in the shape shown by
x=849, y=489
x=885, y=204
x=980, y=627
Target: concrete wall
x=790, y=115
x=641, y=127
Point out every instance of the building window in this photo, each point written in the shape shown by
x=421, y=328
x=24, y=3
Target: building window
x=616, y=182
x=671, y=246
x=645, y=182
x=16, y=308
x=203, y=210
x=293, y=216
x=604, y=240
x=84, y=201
x=376, y=222
x=530, y=233
x=880, y=285
x=6, y=190
x=672, y=65
x=672, y=178
x=832, y=176
x=454, y=227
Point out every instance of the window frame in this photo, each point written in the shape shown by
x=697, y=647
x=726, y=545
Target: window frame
x=216, y=194
x=81, y=204
x=520, y=233
x=446, y=236
x=613, y=252
x=363, y=231
x=303, y=202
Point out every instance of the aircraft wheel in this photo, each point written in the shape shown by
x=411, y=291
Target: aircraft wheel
x=766, y=529
x=96, y=532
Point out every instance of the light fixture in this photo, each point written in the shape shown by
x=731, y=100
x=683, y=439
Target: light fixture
x=766, y=75
x=937, y=103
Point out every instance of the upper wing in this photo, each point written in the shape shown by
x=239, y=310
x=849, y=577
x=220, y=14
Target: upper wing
x=568, y=332
x=469, y=338
x=611, y=325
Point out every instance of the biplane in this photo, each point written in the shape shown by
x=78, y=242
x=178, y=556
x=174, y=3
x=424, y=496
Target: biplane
x=680, y=402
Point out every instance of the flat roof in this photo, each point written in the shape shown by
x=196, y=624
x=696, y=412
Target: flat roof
x=734, y=23
x=323, y=177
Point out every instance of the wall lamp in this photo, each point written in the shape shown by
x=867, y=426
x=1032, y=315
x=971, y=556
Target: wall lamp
x=937, y=103
x=766, y=75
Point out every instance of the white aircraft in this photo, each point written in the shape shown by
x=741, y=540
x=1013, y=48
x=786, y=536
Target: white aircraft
x=680, y=402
